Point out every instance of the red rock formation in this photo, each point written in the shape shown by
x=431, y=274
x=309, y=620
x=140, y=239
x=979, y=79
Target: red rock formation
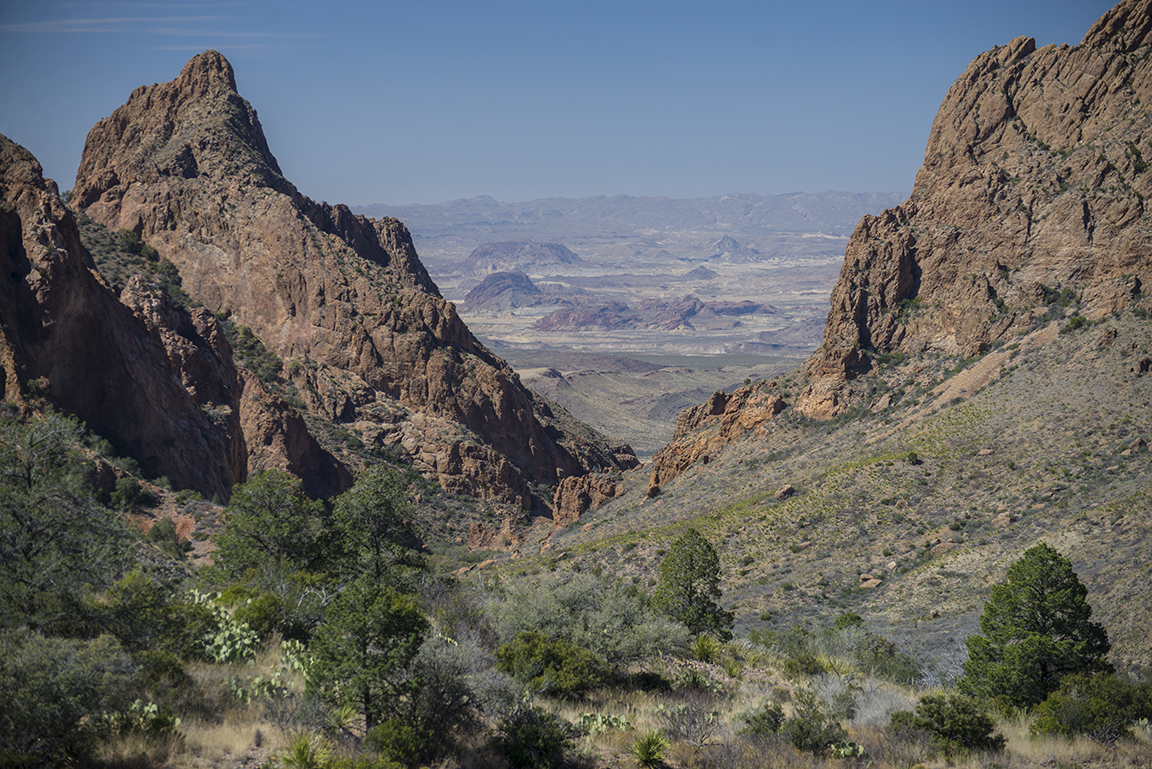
x=1035, y=178
x=575, y=496
x=185, y=164
x=702, y=431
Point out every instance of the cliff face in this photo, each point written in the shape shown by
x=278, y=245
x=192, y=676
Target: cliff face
x=342, y=299
x=1032, y=197
x=1035, y=180
x=155, y=380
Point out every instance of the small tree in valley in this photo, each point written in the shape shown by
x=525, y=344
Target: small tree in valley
x=271, y=522
x=690, y=587
x=371, y=525
x=1036, y=629
x=362, y=651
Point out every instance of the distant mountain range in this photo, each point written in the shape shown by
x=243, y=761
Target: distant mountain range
x=829, y=212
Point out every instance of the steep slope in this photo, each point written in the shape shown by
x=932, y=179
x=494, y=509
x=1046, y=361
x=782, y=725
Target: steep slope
x=342, y=299
x=1030, y=205
x=155, y=380
x=1034, y=184
x=982, y=384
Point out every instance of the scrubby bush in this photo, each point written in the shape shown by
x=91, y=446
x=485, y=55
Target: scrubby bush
x=534, y=738
x=1101, y=707
x=163, y=535
x=264, y=614
x=551, y=665
x=766, y=721
x=958, y=724
x=611, y=620
x=812, y=728
x=55, y=693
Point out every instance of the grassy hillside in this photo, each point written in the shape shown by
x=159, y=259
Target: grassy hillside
x=969, y=463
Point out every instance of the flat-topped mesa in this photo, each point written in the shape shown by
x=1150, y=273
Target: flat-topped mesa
x=1034, y=181
x=341, y=298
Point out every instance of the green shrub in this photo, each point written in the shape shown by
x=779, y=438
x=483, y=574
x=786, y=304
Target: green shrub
x=398, y=741
x=1101, y=707
x=958, y=724
x=163, y=535
x=534, y=738
x=805, y=664
x=263, y=614
x=812, y=728
x=55, y=692
x=127, y=492
x=1075, y=323
x=551, y=665
x=766, y=721
x=848, y=619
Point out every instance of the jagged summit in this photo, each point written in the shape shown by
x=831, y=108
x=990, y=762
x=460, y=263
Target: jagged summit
x=1031, y=202
x=1035, y=179
x=342, y=299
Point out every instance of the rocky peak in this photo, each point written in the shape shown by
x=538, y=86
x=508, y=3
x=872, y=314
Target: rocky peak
x=1126, y=28
x=1034, y=183
x=343, y=299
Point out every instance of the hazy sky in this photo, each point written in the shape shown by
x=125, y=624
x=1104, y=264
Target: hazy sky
x=424, y=101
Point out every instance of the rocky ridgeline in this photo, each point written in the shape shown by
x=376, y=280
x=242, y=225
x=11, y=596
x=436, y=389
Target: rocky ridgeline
x=1034, y=186
x=343, y=300
x=1035, y=180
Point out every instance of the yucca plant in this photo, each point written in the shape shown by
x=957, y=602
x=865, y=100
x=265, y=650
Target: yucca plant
x=705, y=648
x=307, y=751
x=649, y=748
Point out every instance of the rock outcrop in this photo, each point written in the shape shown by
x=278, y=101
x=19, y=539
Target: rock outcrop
x=702, y=431
x=155, y=380
x=1030, y=206
x=342, y=299
x=1033, y=192
x=574, y=496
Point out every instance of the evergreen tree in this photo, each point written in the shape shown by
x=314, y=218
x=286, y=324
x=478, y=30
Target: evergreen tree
x=56, y=543
x=690, y=587
x=362, y=651
x=371, y=525
x=271, y=523
x=1036, y=629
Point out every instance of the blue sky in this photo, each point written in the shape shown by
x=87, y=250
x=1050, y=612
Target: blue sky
x=429, y=100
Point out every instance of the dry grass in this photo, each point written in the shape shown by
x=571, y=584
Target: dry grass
x=210, y=744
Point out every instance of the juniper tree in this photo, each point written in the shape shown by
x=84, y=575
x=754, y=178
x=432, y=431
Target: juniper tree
x=689, y=587
x=1036, y=628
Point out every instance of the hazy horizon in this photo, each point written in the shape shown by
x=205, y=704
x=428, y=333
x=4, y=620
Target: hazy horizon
x=424, y=103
